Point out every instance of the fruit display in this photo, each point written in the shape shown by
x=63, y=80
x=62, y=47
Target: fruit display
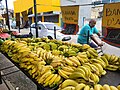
x=64, y=65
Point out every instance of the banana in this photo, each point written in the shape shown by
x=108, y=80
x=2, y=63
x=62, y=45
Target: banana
x=86, y=87
x=107, y=56
x=29, y=67
x=43, y=77
x=118, y=87
x=97, y=87
x=96, y=70
x=113, y=88
x=94, y=77
x=105, y=60
x=112, y=67
x=68, y=69
x=80, y=70
x=68, y=61
x=69, y=88
x=91, y=51
x=103, y=64
x=82, y=55
x=99, y=67
x=53, y=79
x=66, y=72
x=115, y=59
x=48, y=78
x=80, y=59
x=57, y=79
x=76, y=75
x=112, y=58
x=88, y=54
x=74, y=60
x=80, y=86
x=85, y=70
x=68, y=82
x=62, y=74
x=45, y=69
x=106, y=87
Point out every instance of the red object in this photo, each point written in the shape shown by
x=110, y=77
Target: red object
x=4, y=35
x=15, y=33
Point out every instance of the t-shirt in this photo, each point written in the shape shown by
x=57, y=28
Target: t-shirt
x=83, y=35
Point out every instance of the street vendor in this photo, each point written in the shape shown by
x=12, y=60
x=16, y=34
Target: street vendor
x=86, y=34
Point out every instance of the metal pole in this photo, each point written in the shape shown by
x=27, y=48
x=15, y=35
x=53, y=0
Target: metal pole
x=7, y=21
x=35, y=18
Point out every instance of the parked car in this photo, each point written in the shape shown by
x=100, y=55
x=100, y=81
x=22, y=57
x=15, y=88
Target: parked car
x=46, y=29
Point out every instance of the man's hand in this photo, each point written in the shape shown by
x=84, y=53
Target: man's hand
x=100, y=44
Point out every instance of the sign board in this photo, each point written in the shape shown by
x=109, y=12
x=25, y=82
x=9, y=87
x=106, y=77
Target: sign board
x=111, y=15
x=70, y=14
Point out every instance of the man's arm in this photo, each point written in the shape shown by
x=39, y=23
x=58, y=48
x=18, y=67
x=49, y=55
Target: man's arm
x=96, y=41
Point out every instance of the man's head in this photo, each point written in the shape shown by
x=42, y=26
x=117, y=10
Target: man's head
x=92, y=23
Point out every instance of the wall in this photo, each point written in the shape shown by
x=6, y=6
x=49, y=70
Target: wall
x=84, y=11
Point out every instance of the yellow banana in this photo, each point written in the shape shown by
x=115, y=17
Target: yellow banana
x=118, y=87
x=68, y=82
x=106, y=87
x=66, y=72
x=113, y=88
x=48, y=78
x=57, y=79
x=86, y=87
x=52, y=79
x=85, y=70
x=74, y=60
x=68, y=62
x=76, y=75
x=103, y=64
x=91, y=51
x=80, y=70
x=43, y=77
x=62, y=74
x=107, y=56
x=94, y=77
x=80, y=59
x=69, y=88
x=68, y=69
x=80, y=86
x=97, y=87
x=99, y=67
x=105, y=60
x=88, y=54
x=96, y=69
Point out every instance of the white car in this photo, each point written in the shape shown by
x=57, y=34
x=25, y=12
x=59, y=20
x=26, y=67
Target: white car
x=46, y=29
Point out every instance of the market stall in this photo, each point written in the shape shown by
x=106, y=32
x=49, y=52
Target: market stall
x=58, y=65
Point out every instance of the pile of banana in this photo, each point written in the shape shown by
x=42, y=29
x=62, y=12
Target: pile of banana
x=70, y=84
x=55, y=63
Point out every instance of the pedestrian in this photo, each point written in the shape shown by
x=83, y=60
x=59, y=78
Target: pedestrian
x=86, y=34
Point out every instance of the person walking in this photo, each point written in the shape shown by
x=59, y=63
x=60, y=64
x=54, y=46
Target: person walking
x=86, y=34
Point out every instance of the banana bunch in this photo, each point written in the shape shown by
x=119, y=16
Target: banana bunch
x=112, y=59
x=68, y=84
x=57, y=61
x=82, y=57
x=81, y=72
x=92, y=53
x=85, y=47
x=65, y=71
x=112, y=67
x=52, y=80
